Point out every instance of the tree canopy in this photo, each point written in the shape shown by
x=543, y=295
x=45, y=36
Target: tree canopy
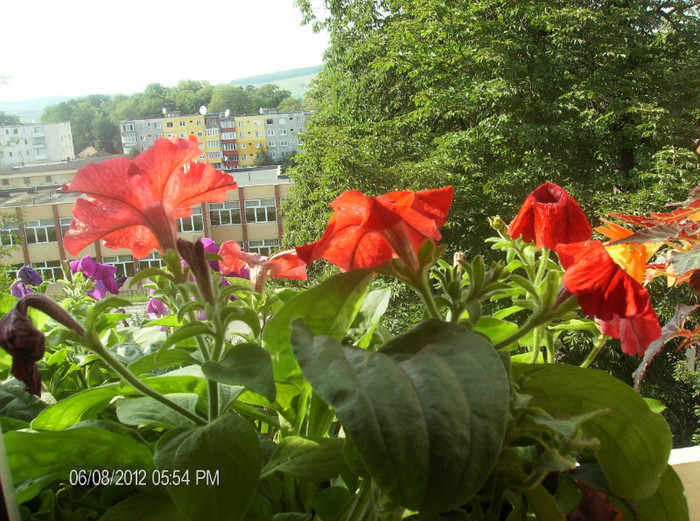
x=95, y=119
x=496, y=97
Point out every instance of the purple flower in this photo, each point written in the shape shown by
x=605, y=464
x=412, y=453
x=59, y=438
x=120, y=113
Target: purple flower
x=211, y=247
x=101, y=274
x=25, y=343
x=30, y=277
x=20, y=289
x=156, y=308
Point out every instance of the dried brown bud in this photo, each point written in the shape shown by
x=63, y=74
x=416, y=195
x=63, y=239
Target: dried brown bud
x=25, y=343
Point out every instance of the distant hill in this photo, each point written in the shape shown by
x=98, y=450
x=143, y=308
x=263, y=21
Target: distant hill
x=296, y=81
x=30, y=110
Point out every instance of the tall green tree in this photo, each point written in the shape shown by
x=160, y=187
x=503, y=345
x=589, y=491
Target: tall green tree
x=497, y=96
x=8, y=119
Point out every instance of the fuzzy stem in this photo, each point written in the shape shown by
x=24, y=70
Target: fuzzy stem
x=594, y=352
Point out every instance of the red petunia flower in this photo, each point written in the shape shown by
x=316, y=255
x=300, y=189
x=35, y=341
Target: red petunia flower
x=550, y=216
x=605, y=291
x=135, y=204
x=283, y=265
x=366, y=232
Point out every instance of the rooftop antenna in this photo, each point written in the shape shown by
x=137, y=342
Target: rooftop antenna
x=164, y=111
x=203, y=110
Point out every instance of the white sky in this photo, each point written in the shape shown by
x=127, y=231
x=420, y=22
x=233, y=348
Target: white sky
x=80, y=47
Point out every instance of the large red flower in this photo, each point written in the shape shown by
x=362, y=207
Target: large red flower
x=365, y=232
x=135, y=204
x=605, y=291
x=283, y=265
x=550, y=216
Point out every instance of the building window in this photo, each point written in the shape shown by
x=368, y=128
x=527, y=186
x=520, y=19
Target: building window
x=264, y=246
x=242, y=146
x=244, y=157
x=282, y=121
x=240, y=123
x=183, y=123
x=65, y=224
x=258, y=133
x=260, y=211
x=213, y=144
x=193, y=223
x=49, y=270
x=129, y=139
x=284, y=143
x=143, y=138
x=124, y=263
x=270, y=132
x=228, y=135
x=283, y=132
x=152, y=261
x=256, y=122
x=268, y=121
x=169, y=124
x=230, y=146
x=40, y=231
x=271, y=144
x=224, y=214
x=258, y=145
x=214, y=155
x=212, y=132
x=128, y=127
x=159, y=125
x=9, y=235
x=242, y=134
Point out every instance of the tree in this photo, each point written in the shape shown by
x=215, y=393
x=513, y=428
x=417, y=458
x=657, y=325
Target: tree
x=600, y=97
x=8, y=119
x=228, y=97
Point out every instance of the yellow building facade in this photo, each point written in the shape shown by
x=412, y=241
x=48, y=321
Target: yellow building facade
x=251, y=139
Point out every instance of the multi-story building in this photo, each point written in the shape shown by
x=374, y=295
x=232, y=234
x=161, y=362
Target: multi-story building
x=251, y=139
x=282, y=132
x=229, y=144
x=213, y=150
x=250, y=215
x=140, y=133
x=36, y=143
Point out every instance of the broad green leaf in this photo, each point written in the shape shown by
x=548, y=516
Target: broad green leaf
x=330, y=502
x=227, y=448
x=162, y=359
x=17, y=403
x=286, y=392
x=190, y=330
x=244, y=364
x=495, y=329
x=146, y=410
x=32, y=455
x=543, y=505
x=373, y=306
x=170, y=321
x=426, y=414
x=243, y=314
x=313, y=459
x=88, y=404
x=328, y=309
x=146, y=506
x=635, y=443
x=668, y=502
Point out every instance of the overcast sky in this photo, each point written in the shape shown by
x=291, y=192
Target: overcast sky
x=80, y=47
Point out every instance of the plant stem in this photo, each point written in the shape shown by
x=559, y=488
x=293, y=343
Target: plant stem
x=594, y=352
x=424, y=290
x=536, y=319
x=536, y=334
x=96, y=347
x=544, y=259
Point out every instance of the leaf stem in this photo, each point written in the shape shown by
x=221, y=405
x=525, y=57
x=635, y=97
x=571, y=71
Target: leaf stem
x=594, y=352
x=96, y=347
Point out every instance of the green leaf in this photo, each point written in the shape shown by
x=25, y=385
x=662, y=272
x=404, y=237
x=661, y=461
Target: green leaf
x=189, y=330
x=668, y=502
x=170, y=321
x=635, y=443
x=543, y=505
x=145, y=410
x=161, y=359
x=373, y=306
x=495, y=329
x=244, y=364
x=328, y=309
x=149, y=273
x=313, y=459
x=243, y=314
x=88, y=404
x=17, y=403
x=32, y=455
x=330, y=502
x=146, y=506
x=228, y=448
x=427, y=414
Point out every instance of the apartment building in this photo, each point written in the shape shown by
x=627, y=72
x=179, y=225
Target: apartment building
x=228, y=142
x=140, y=133
x=35, y=143
x=41, y=215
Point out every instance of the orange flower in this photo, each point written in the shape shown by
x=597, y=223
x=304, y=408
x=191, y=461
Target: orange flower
x=605, y=291
x=366, y=232
x=631, y=257
x=135, y=204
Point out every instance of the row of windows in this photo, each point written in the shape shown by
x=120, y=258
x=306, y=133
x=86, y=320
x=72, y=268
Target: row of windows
x=41, y=231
